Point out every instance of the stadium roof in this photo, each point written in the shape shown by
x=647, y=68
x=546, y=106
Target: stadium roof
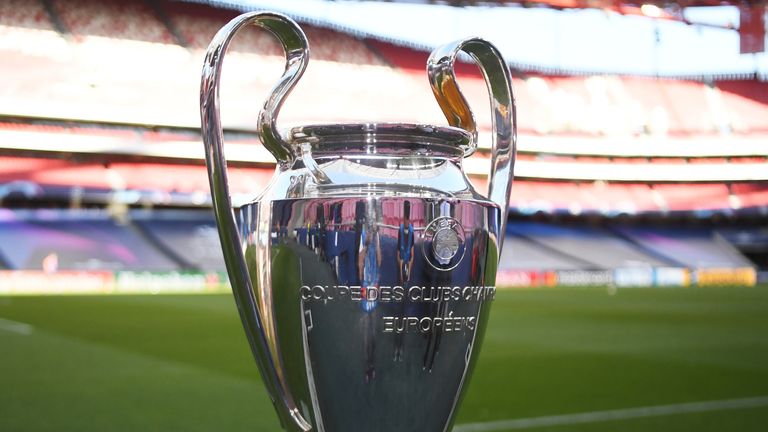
x=571, y=41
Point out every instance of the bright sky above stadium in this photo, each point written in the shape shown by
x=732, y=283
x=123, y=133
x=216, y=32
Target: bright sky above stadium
x=548, y=40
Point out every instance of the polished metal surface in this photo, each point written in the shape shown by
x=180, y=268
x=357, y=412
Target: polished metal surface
x=379, y=304
x=365, y=271
x=260, y=337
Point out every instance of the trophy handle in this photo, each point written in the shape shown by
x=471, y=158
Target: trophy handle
x=442, y=77
x=297, y=55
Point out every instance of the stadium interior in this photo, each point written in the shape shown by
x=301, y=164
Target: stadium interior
x=633, y=280
x=101, y=164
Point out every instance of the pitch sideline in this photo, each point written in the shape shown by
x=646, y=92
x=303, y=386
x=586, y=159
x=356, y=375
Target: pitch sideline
x=619, y=414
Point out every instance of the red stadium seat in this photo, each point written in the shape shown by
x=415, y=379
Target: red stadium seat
x=692, y=197
x=112, y=19
x=24, y=13
x=751, y=194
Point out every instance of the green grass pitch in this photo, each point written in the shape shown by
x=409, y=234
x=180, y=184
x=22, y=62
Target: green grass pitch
x=181, y=363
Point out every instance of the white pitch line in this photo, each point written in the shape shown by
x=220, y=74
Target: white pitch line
x=619, y=414
x=15, y=327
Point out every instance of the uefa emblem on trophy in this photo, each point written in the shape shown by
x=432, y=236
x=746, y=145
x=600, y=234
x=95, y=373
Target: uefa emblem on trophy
x=365, y=272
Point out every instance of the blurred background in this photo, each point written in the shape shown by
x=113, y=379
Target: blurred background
x=636, y=254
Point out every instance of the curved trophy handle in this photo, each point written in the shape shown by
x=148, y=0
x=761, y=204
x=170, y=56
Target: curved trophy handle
x=297, y=55
x=440, y=69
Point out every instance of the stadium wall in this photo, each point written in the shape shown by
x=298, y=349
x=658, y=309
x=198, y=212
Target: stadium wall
x=570, y=125
x=632, y=277
x=34, y=282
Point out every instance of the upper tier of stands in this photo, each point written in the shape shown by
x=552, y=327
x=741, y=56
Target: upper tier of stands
x=135, y=20
x=196, y=24
x=620, y=105
x=24, y=14
x=139, y=62
x=179, y=184
x=116, y=143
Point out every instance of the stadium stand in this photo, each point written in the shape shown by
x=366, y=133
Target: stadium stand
x=600, y=106
x=699, y=197
x=593, y=247
x=745, y=104
x=55, y=240
x=196, y=24
x=686, y=246
x=164, y=240
x=621, y=105
x=752, y=242
x=523, y=254
x=102, y=151
x=749, y=194
x=86, y=123
x=24, y=14
x=26, y=28
x=190, y=237
x=134, y=20
x=154, y=179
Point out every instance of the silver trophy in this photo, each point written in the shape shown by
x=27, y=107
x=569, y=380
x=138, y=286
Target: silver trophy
x=365, y=271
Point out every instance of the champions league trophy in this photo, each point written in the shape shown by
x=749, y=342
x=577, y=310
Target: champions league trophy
x=365, y=271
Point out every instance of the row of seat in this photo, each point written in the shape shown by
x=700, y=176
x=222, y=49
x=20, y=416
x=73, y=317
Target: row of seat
x=188, y=24
x=89, y=138
x=177, y=240
x=189, y=183
x=619, y=105
x=543, y=246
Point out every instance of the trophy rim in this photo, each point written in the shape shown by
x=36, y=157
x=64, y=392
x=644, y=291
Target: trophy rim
x=447, y=138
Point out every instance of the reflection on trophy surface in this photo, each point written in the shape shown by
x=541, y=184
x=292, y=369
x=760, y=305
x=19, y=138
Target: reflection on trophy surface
x=365, y=272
